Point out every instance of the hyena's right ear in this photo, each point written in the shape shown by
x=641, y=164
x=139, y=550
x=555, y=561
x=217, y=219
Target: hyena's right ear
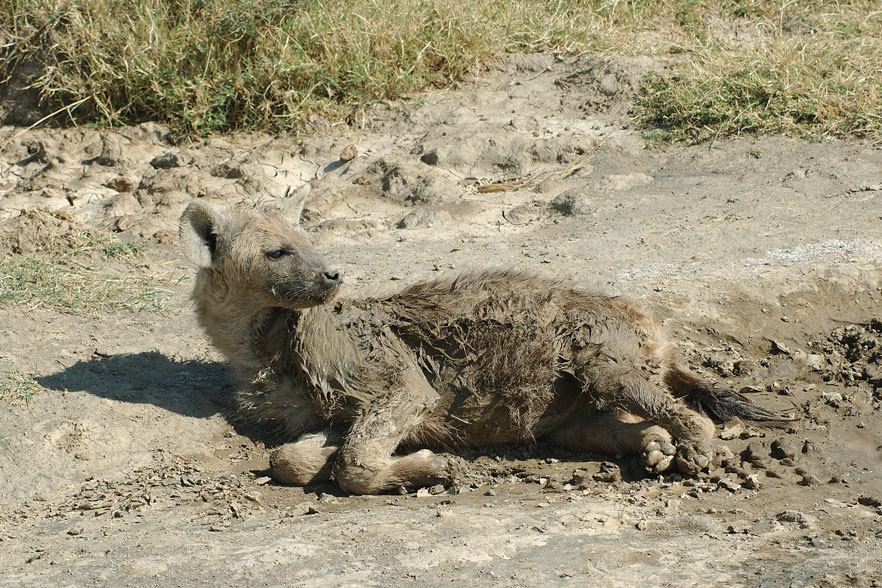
x=198, y=229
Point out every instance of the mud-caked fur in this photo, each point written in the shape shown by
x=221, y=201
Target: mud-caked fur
x=485, y=357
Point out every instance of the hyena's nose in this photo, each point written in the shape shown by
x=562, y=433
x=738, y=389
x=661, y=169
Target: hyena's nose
x=333, y=275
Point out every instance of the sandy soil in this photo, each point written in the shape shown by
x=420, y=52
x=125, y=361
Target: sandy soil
x=763, y=258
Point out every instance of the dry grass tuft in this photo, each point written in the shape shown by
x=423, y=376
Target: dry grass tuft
x=809, y=67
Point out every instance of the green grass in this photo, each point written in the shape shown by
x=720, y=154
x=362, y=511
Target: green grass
x=87, y=272
x=66, y=285
x=808, y=67
x=19, y=387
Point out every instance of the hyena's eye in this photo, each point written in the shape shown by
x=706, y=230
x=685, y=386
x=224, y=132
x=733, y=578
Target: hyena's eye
x=275, y=253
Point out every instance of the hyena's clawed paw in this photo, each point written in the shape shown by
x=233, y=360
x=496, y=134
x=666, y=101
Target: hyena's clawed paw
x=415, y=470
x=426, y=468
x=658, y=453
x=694, y=455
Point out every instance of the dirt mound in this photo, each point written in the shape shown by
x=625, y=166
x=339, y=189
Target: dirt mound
x=42, y=231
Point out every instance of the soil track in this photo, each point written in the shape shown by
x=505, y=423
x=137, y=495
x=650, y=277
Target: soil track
x=763, y=257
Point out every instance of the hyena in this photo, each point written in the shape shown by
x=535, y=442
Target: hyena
x=486, y=357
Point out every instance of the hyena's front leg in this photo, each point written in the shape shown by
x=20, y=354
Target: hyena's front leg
x=365, y=464
x=309, y=460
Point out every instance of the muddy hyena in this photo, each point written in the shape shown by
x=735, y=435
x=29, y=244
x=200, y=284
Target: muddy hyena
x=481, y=358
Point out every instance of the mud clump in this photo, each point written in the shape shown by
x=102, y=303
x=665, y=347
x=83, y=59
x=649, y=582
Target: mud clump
x=41, y=231
x=854, y=354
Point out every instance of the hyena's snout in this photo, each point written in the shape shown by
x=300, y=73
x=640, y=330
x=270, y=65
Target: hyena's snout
x=332, y=275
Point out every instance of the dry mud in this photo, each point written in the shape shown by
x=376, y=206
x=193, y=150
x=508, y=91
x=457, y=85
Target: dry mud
x=763, y=258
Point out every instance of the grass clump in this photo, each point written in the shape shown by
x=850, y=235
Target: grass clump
x=58, y=263
x=63, y=284
x=210, y=65
x=815, y=88
x=736, y=66
x=19, y=387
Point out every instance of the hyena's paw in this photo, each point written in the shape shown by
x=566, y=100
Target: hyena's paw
x=694, y=455
x=426, y=468
x=658, y=453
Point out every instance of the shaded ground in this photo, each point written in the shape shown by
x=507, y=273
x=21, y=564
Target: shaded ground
x=761, y=256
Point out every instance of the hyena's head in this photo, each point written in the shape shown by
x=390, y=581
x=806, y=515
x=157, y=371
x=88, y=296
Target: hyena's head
x=254, y=257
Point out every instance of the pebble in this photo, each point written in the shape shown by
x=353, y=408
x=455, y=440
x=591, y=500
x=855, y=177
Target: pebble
x=783, y=449
x=751, y=482
x=755, y=454
x=795, y=516
x=729, y=484
x=349, y=153
x=165, y=161
x=809, y=480
x=581, y=478
x=732, y=429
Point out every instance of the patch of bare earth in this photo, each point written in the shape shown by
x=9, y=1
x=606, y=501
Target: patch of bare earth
x=761, y=256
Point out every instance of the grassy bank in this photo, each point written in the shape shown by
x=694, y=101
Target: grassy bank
x=201, y=66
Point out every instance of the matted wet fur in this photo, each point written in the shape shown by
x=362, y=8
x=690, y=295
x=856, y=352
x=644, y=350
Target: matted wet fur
x=485, y=357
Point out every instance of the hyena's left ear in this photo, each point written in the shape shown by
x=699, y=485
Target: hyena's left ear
x=198, y=228
x=292, y=205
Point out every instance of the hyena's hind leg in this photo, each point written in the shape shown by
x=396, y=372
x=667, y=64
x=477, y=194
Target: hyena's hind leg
x=309, y=460
x=619, y=434
x=620, y=385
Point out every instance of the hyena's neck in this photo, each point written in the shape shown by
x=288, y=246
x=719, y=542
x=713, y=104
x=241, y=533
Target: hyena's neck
x=251, y=341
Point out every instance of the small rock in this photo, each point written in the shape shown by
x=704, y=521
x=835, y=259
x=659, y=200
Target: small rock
x=751, y=482
x=809, y=447
x=165, y=161
x=124, y=223
x=423, y=218
x=74, y=531
x=609, y=473
x=581, y=479
x=815, y=362
x=311, y=511
x=729, y=484
x=809, y=480
x=326, y=498
x=122, y=184
x=833, y=399
x=783, y=449
x=430, y=157
x=349, y=153
x=869, y=501
x=162, y=236
x=732, y=429
x=263, y=480
x=641, y=525
x=572, y=203
x=755, y=454
x=794, y=516
x=779, y=347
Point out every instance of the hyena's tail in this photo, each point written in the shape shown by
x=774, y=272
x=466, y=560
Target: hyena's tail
x=719, y=403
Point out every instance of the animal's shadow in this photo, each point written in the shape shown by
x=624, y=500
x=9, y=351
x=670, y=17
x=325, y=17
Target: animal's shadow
x=191, y=388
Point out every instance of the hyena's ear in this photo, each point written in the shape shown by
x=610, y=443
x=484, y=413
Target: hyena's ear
x=292, y=205
x=198, y=229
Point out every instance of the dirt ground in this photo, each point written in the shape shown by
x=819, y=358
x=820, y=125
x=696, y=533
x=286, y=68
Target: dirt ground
x=763, y=258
